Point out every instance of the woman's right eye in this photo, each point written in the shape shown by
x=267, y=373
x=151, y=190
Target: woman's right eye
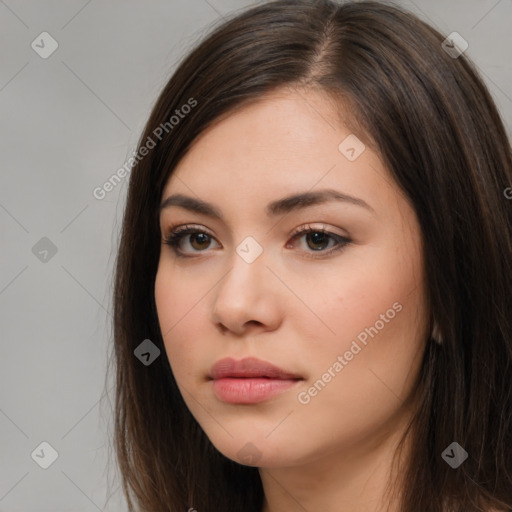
x=195, y=238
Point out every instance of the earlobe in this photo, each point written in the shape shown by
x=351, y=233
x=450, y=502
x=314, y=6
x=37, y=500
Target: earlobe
x=436, y=335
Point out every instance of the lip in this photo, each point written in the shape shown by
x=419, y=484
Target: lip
x=249, y=380
x=248, y=367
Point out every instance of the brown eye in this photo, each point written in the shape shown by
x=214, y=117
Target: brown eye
x=200, y=241
x=188, y=240
x=319, y=240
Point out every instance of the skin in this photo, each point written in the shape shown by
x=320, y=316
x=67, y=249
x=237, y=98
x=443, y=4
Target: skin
x=297, y=312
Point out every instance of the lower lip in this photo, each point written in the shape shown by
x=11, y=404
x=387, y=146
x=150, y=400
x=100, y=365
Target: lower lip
x=250, y=390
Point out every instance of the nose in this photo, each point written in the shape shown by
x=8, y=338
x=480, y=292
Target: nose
x=248, y=298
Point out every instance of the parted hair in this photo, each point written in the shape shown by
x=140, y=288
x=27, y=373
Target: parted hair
x=432, y=121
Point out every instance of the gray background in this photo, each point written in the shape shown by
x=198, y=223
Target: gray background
x=68, y=122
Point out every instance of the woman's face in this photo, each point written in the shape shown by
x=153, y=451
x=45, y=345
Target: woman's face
x=342, y=314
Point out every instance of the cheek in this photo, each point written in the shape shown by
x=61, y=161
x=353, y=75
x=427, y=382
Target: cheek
x=179, y=296
x=376, y=302
x=380, y=354
x=180, y=310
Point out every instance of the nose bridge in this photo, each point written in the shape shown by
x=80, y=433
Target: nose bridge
x=242, y=294
x=248, y=265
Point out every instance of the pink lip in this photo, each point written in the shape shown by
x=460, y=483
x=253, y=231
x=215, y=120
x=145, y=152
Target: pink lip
x=249, y=380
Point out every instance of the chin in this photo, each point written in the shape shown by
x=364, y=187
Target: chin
x=258, y=451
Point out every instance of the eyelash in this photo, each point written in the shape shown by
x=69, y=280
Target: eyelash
x=174, y=239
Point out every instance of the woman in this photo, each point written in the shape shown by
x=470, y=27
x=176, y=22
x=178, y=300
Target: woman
x=314, y=274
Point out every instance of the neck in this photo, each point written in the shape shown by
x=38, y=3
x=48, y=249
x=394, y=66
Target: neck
x=353, y=478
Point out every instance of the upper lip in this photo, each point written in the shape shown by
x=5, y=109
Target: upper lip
x=247, y=368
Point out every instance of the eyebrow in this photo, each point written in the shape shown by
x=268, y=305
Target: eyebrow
x=275, y=208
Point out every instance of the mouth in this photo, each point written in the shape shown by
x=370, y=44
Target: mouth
x=250, y=380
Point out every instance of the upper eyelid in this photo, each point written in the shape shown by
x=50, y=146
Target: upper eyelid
x=303, y=227
x=184, y=227
x=321, y=227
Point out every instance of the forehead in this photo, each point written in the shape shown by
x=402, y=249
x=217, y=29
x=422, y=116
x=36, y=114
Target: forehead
x=285, y=142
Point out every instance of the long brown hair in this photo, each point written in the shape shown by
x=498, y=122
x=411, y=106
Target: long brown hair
x=437, y=130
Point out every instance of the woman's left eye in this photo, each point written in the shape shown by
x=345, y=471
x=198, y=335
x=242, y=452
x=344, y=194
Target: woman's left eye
x=317, y=240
